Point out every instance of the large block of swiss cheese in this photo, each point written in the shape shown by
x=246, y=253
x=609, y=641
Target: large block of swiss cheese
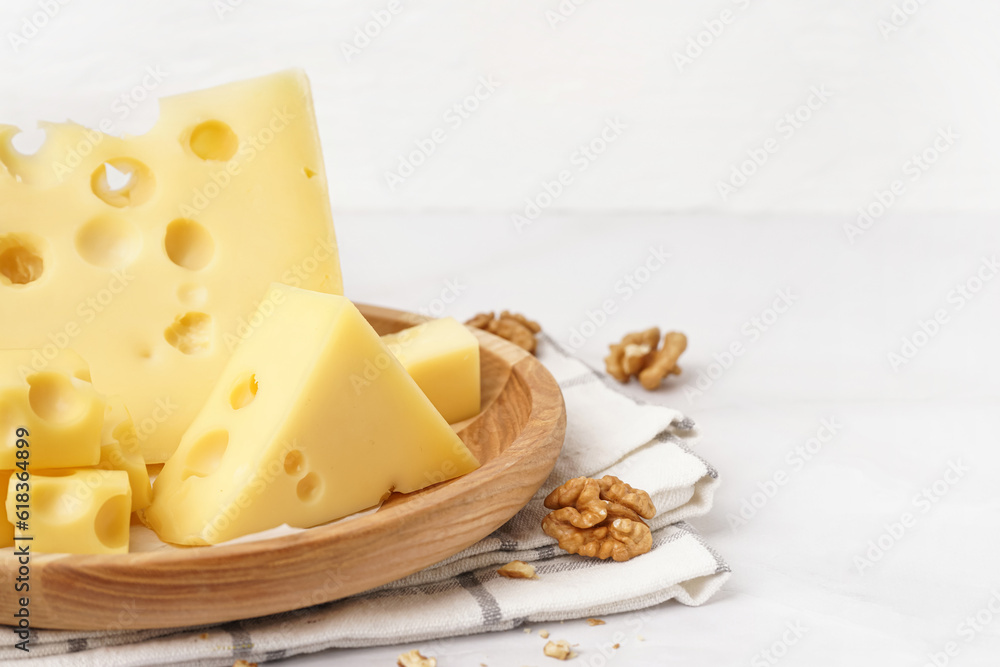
x=148, y=255
x=313, y=419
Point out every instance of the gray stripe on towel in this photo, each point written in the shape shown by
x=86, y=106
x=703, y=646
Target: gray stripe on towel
x=242, y=641
x=667, y=436
x=720, y=564
x=487, y=603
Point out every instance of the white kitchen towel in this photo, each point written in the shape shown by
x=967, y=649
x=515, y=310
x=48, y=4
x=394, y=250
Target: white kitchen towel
x=648, y=446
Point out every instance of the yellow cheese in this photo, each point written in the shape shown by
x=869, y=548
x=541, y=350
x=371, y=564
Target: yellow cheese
x=6, y=527
x=75, y=511
x=148, y=254
x=442, y=356
x=313, y=419
x=120, y=451
x=56, y=403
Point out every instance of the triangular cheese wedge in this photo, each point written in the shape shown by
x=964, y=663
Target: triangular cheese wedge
x=313, y=419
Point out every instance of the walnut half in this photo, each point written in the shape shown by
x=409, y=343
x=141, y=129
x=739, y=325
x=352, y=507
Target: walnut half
x=515, y=327
x=600, y=518
x=637, y=355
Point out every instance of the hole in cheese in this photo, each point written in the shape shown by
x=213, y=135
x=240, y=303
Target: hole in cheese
x=213, y=140
x=295, y=462
x=309, y=487
x=28, y=142
x=20, y=259
x=188, y=244
x=191, y=333
x=54, y=399
x=108, y=242
x=192, y=294
x=111, y=522
x=308, y=172
x=206, y=454
x=244, y=391
x=110, y=184
x=83, y=374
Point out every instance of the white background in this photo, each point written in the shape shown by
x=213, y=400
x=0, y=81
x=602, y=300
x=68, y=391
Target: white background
x=857, y=296
x=687, y=127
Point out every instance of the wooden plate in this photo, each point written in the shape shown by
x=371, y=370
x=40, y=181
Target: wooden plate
x=517, y=438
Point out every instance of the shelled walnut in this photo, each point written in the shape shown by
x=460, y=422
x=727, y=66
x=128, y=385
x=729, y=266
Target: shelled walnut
x=637, y=355
x=515, y=327
x=600, y=518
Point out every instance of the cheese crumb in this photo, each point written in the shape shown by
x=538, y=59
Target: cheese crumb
x=415, y=658
x=517, y=569
x=544, y=634
x=594, y=621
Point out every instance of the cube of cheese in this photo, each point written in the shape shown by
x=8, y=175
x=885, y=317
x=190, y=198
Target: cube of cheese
x=442, y=356
x=76, y=511
x=120, y=451
x=313, y=419
x=149, y=255
x=52, y=398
